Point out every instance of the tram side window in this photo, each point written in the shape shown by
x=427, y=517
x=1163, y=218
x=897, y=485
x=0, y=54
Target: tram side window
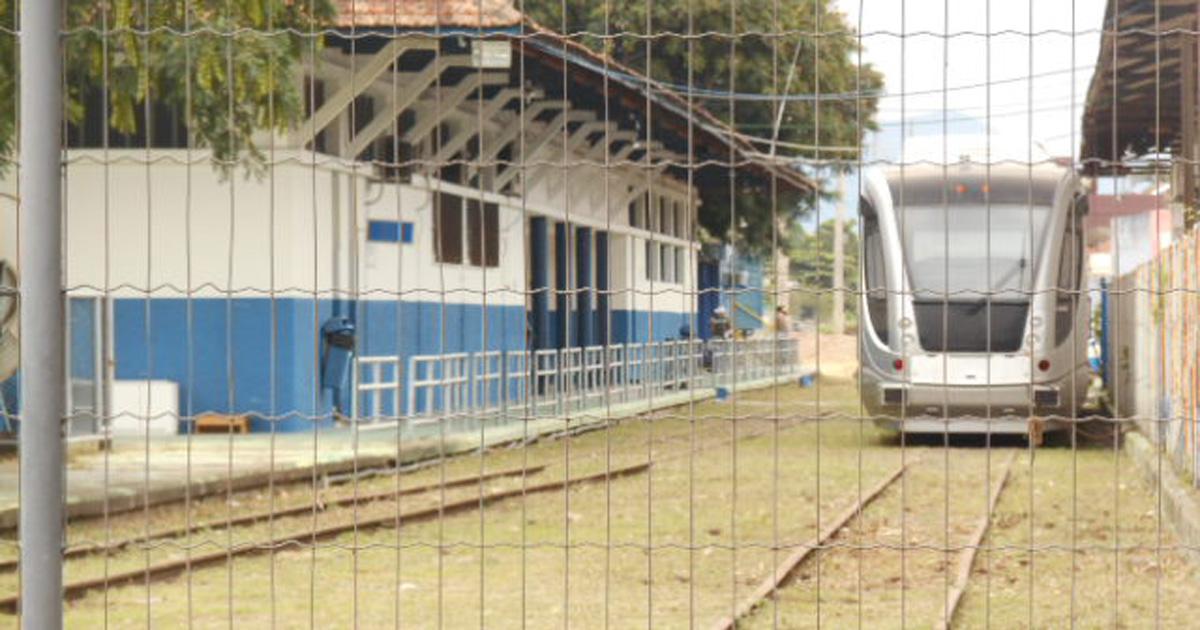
x=874, y=272
x=1070, y=275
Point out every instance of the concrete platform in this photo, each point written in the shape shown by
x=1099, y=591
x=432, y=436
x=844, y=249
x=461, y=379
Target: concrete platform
x=136, y=471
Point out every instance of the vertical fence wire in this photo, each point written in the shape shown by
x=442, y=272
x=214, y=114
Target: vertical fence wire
x=451, y=314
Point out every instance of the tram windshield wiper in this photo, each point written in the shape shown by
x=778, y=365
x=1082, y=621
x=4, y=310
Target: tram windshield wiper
x=1012, y=273
x=975, y=306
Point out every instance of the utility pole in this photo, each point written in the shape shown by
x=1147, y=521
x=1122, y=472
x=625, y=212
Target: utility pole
x=42, y=316
x=839, y=258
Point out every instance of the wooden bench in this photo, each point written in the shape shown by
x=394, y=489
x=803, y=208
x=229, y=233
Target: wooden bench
x=222, y=423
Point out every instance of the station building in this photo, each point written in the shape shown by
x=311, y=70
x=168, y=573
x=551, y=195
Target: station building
x=464, y=181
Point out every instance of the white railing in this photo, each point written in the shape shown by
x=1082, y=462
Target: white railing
x=379, y=381
x=520, y=384
x=440, y=381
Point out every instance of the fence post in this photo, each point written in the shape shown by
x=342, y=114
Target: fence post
x=41, y=304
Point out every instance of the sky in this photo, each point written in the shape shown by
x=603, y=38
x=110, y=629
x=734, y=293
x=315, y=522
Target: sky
x=925, y=46
x=1031, y=119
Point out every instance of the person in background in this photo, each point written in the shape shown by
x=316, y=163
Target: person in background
x=785, y=333
x=783, y=323
x=721, y=326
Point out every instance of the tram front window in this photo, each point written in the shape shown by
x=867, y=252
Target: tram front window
x=972, y=269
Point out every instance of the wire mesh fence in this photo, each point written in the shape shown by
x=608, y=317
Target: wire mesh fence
x=620, y=313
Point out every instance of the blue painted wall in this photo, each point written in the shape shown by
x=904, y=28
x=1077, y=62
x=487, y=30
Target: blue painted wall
x=635, y=326
x=263, y=357
x=709, y=285
x=626, y=326
x=11, y=404
x=223, y=360
x=747, y=290
x=83, y=314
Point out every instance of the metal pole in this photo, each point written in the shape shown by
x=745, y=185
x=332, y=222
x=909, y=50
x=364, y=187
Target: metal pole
x=42, y=345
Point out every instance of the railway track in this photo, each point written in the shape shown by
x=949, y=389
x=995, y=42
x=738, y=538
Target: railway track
x=311, y=535
x=79, y=551
x=772, y=586
x=966, y=556
x=326, y=473
x=769, y=586
x=683, y=441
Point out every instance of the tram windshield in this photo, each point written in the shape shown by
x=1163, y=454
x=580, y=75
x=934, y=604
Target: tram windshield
x=964, y=252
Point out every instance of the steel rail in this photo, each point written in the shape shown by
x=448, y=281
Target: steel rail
x=769, y=586
x=268, y=515
x=156, y=572
x=966, y=556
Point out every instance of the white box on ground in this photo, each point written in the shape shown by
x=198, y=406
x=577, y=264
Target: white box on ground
x=136, y=404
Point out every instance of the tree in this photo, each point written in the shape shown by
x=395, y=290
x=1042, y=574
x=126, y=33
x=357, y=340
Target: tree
x=811, y=260
x=689, y=43
x=229, y=65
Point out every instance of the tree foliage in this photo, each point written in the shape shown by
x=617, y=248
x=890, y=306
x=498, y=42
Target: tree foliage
x=229, y=65
x=741, y=48
x=811, y=261
x=812, y=255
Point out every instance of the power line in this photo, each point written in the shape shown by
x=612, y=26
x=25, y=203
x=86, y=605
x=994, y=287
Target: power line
x=712, y=94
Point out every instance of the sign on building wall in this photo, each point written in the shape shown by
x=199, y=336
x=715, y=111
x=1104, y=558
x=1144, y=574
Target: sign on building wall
x=491, y=54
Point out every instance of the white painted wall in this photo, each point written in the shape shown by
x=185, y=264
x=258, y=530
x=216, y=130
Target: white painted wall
x=590, y=193
x=170, y=227
x=412, y=269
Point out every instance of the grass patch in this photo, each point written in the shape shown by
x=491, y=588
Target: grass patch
x=734, y=487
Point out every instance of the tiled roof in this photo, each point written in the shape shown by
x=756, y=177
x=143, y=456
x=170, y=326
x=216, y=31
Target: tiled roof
x=427, y=13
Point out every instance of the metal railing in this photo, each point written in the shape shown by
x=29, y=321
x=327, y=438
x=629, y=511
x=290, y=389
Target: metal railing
x=379, y=381
x=545, y=383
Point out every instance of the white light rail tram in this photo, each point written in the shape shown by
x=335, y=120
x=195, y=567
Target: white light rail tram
x=973, y=289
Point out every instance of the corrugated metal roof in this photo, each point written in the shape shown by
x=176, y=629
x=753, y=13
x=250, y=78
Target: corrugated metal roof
x=1135, y=98
x=582, y=58
x=427, y=13
x=501, y=14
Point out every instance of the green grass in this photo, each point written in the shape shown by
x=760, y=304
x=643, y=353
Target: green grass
x=725, y=501
x=1125, y=570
